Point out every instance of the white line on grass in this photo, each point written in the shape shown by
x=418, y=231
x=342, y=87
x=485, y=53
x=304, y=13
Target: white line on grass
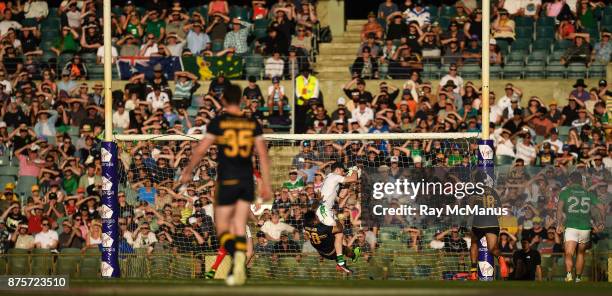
x=268, y=291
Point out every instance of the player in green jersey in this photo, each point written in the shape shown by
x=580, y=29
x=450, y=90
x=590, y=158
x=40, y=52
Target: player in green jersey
x=574, y=216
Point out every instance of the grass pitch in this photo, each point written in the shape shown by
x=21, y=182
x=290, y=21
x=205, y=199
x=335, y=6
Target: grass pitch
x=167, y=287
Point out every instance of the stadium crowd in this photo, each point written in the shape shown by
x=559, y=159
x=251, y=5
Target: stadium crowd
x=402, y=38
x=51, y=125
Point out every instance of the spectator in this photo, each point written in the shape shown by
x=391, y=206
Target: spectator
x=472, y=29
x=372, y=26
x=217, y=28
x=285, y=245
x=306, y=92
x=578, y=52
x=155, y=25
x=527, y=263
x=453, y=242
x=302, y=42
x=47, y=238
x=602, y=51
x=276, y=96
x=177, y=22
x=273, y=228
x=363, y=114
x=385, y=9
x=197, y=39
x=397, y=28
x=22, y=239
x=218, y=7
x=237, y=37
x=452, y=75
x=262, y=246
x=274, y=65
x=365, y=66
x=418, y=14
x=503, y=27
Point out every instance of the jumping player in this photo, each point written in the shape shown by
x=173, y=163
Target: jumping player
x=325, y=214
x=235, y=136
x=323, y=239
x=486, y=226
x=574, y=215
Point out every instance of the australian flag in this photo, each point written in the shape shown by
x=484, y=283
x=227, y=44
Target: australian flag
x=130, y=66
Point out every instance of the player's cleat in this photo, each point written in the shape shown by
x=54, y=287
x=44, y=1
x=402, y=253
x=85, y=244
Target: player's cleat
x=473, y=274
x=210, y=274
x=238, y=276
x=578, y=279
x=357, y=253
x=569, y=277
x=503, y=267
x=343, y=268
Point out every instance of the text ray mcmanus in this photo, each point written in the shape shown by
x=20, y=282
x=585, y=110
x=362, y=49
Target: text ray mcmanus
x=448, y=210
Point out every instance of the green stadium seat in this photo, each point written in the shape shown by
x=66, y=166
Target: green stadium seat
x=537, y=56
x=523, y=21
x=503, y=160
x=261, y=266
x=576, y=70
x=545, y=22
x=535, y=71
x=545, y=33
x=24, y=185
x=503, y=45
x=495, y=71
x=287, y=267
x=521, y=45
x=404, y=267
x=253, y=71
x=515, y=58
x=239, y=11
x=524, y=32
x=138, y=263
x=217, y=45
x=431, y=71
x=471, y=71
x=159, y=265
x=90, y=263
x=555, y=70
x=597, y=70
x=444, y=22
x=447, y=11
x=42, y=261
x=260, y=33
x=95, y=72
x=89, y=58
x=18, y=262
x=542, y=44
x=8, y=173
x=433, y=11
x=555, y=57
x=68, y=262
x=513, y=72
x=185, y=264
x=562, y=45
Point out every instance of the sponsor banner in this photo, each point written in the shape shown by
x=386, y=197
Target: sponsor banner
x=486, y=153
x=109, y=211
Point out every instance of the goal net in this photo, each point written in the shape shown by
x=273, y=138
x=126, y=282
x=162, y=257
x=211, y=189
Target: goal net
x=168, y=230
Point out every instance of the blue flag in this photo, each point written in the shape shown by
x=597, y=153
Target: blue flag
x=130, y=66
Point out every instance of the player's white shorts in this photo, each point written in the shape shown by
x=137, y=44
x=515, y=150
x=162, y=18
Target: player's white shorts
x=248, y=232
x=577, y=235
x=326, y=215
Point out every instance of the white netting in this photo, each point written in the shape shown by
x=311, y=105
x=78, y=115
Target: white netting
x=150, y=166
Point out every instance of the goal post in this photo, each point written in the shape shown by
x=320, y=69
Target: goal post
x=399, y=248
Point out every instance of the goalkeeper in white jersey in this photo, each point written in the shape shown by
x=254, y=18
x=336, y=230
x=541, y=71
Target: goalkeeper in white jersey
x=329, y=196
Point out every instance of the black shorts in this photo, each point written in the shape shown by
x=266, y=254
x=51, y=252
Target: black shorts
x=229, y=191
x=479, y=232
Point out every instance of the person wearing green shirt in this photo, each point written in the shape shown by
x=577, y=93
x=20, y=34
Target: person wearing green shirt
x=67, y=42
x=154, y=25
x=574, y=216
x=294, y=182
x=70, y=181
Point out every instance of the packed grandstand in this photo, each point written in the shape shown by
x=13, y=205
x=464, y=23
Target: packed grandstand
x=172, y=61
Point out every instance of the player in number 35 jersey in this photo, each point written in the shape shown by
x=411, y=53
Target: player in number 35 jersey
x=574, y=215
x=236, y=136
